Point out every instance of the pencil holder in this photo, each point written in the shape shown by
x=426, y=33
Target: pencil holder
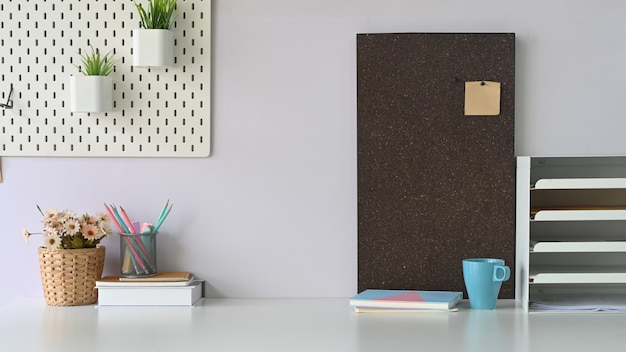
x=138, y=254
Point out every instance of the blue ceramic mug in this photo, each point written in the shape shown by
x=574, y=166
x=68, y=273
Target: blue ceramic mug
x=483, y=278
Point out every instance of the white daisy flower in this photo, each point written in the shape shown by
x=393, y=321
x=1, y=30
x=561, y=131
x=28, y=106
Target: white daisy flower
x=71, y=226
x=49, y=215
x=52, y=241
x=26, y=235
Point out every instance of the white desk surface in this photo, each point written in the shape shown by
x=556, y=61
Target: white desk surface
x=297, y=325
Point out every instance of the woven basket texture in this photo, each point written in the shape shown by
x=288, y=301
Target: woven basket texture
x=69, y=276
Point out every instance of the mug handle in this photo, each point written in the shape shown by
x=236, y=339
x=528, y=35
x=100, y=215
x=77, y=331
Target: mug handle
x=504, y=270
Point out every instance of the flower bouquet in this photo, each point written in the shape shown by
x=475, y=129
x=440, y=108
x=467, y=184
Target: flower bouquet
x=71, y=259
x=65, y=230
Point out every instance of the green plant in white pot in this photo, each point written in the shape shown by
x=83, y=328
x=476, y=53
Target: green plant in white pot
x=153, y=43
x=93, y=90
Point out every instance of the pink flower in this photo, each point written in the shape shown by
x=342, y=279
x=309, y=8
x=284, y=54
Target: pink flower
x=90, y=219
x=103, y=217
x=48, y=231
x=90, y=232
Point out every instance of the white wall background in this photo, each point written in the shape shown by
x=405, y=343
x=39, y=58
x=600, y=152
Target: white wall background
x=273, y=211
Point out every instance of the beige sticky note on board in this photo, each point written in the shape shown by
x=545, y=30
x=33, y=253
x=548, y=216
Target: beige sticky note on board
x=482, y=98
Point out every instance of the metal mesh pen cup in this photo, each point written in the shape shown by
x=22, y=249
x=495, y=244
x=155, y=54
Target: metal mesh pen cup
x=138, y=254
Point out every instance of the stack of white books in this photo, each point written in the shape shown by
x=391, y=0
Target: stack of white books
x=164, y=289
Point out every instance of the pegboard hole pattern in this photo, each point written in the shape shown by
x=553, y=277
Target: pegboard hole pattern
x=157, y=112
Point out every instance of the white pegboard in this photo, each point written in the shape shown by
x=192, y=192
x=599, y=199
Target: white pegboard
x=158, y=112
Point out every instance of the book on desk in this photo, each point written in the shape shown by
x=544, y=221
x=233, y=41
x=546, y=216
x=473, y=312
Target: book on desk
x=372, y=300
x=169, y=291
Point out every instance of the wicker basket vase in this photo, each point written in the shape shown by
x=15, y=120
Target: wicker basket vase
x=68, y=276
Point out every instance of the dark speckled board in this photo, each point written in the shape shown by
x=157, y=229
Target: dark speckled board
x=434, y=186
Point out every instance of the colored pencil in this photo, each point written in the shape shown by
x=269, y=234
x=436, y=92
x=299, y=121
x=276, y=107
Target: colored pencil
x=129, y=223
x=162, y=218
x=117, y=224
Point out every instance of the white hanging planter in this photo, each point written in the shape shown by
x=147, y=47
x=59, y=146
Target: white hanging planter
x=153, y=47
x=91, y=93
